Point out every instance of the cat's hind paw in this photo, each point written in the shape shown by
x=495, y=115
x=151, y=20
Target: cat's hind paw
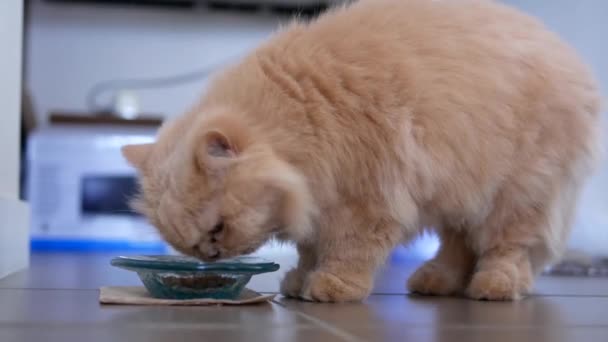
x=493, y=285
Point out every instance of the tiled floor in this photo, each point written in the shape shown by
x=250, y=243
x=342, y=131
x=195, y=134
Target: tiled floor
x=57, y=300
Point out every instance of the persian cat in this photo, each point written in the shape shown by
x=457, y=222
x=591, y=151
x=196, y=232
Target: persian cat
x=351, y=134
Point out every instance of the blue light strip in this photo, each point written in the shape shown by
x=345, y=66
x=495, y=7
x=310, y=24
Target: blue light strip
x=72, y=245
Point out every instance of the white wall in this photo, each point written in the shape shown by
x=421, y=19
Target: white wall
x=13, y=213
x=71, y=47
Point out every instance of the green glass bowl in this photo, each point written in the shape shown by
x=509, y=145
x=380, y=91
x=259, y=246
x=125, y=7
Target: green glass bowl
x=181, y=277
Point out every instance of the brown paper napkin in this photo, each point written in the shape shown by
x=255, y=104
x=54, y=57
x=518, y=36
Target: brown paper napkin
x=138, y=295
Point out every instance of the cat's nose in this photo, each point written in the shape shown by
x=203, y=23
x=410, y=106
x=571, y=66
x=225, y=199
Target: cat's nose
x=207, y=252
x=216, y=232
x=214, y=255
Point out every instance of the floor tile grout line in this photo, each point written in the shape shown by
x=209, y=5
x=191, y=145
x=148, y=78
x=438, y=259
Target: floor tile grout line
x=567, y=295
x=379, y=294
x=158, y=327
x=93, y=289
x=325, y=326
x=47, y=289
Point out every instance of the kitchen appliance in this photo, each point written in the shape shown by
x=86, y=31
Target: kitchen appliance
x=79, y=185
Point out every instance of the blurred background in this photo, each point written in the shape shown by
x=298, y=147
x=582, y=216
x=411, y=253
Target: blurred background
x=99, y=74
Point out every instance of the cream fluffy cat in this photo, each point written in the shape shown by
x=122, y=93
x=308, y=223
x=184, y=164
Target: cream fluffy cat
x=351, y=134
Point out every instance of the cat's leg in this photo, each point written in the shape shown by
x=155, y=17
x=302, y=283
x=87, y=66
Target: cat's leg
x=351, y=246
x=511, y=246
x=292, y=283
x=503, y=273
x=527, y=229
x=449, y=271
x=518, y=240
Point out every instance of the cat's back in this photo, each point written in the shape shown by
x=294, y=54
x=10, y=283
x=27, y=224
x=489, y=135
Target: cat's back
x=412, y=53
x=368, y=28
x=432, y=36
x=457, y=62
x=422, y=90
x=476, y=82
x=465, y=64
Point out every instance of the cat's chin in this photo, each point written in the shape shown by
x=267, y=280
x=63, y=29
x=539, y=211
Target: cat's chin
x=245, y=251
x=282, y=235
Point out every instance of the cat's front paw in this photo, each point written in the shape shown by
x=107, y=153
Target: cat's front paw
x=435, y=279
x=292, y=283
x=326, y=287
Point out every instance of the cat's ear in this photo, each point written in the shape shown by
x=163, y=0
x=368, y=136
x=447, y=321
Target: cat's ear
x=219, y=145
x=221, y=141
x=216, y=151
x=137, y=155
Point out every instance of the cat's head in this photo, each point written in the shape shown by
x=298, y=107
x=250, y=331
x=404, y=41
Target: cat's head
x=214, y=190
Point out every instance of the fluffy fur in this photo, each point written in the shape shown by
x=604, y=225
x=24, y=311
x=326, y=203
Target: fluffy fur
x=352, y=134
